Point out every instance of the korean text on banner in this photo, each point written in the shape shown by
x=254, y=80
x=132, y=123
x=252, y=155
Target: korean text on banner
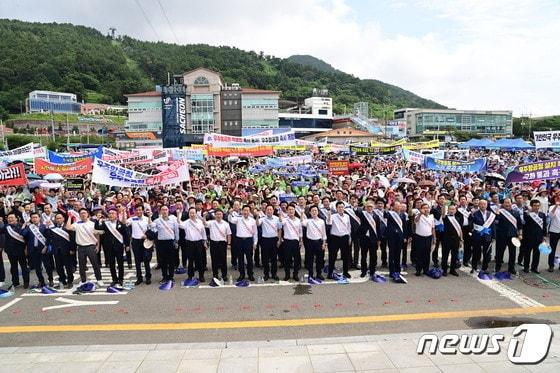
x=13, y=175
x=255, y=151
x=71, y=158
x=535, y=171
x=455, y=166
x=44, y=167
x=285, y=138
x=547, y=139
x=114, y=175
x=18, y=154
x=338, y=167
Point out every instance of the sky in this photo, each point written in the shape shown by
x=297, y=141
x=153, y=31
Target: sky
x=464, y=54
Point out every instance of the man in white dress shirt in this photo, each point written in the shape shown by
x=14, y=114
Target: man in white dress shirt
x=167, y=230
x=220, y=241
x=293, y=240
x=340, y=237
x=247, y=236
x=139, y=226
x=195, y=237
x=270, y=226
x=317, y=243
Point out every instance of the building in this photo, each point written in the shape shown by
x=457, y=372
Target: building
x=230, y=102
x=341, y=136
x=144, y=116
x=259, y=110
x=130, y=140
x=436, y=122
x=98, y=109
x=315, y=115
x=48, y=101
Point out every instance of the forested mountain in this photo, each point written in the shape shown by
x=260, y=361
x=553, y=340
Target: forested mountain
x=307, y=60
x=81, y=60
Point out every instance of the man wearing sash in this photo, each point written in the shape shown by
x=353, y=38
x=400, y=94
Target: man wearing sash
x=369, y=238
x=234, y=213
x=247, y=235
x=380, y=212
x=508, y=226
x=397, y=235
x=167, y=230
x=520, y=207
x=293, y=240
x=138, y=227
x=270, y=226
x=301, y=211
x=181, y=215
x=15, y=249
x=534, y=230
x=465, y=210
x=63, y=248
x=483, y=232
x=355, y=223
x=451, y=240
x=195, y=238
x=47, y=215
x=554, y=231
x=424, y=231
x=116, y=239
x=340, y=236
x=220, y=241
x=87, y=244
x=34, y=234
x=438, y=211
x=317, y=240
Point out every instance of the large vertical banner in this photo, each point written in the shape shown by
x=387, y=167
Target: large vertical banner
x=174, y=115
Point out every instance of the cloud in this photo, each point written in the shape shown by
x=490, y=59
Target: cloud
x=499, y=54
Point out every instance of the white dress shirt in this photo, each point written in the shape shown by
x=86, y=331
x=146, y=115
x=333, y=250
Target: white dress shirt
x=316, y=229
x=219, y=231
x=167, y=229
x=139, y=226
x=425, y=225
x=85, y=233
x=292, y=228
x=270, y=226
x=554, y=219
x=194, y=230
x=245, y=227
x=340, y=225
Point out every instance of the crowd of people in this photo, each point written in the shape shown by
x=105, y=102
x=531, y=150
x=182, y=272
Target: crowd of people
x=386, y=212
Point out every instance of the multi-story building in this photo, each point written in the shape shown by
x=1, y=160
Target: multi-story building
x=230, y=103
x=259, y=110
x=48, y=101
x=315, y=115
x=144, y=116
x=436, y=122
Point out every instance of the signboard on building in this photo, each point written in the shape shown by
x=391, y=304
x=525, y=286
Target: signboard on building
x=174, y=115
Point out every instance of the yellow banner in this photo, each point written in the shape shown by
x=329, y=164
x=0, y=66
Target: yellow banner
x=295, y=148
x=387, y=145
x=422, y=145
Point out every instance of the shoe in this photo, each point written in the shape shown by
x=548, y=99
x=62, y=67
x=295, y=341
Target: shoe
x=526, y=270
x=363, y=274
x=240, y=278
x=51, y=283
x=330, y=276
x=275, y=278
x=418, y=274
x=535, y=271
x=113, y=284
x=251, y=278
x=287, y=278
x=265, y=278
x=444, y=273
x=466, y=264
x=473, y=270
x=384, y=265
x=454, y=273
x=551, y=269
x=148, y=281
x=1, y=283
x=100, y=283
x=26, y=285
x=158, y=267
x=514, y=272
x=201, y=279
x=162, y=281
x=319, y=277
x=69, y=285
x=347, y=275
x=138, y=282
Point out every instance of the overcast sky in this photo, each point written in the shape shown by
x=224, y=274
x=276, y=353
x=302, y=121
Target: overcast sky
x=467, y=54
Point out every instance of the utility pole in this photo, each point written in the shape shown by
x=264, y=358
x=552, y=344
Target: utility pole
x=67, y=133
x=52, y=125
x=87, y=123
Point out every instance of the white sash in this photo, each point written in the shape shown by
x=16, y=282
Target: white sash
x=292, y=227
x=88, y=232
x=167, y=227
x=114, y=231
x=339, y=219
x=221, y=234
x=509, y=217
x=200, y=232
x=61, y=232
x=250, y=230
x=15, y=235
x=371, y=222
x=537, y=219
x=315, y=227
x=455, y=224
x=487, y=223
x=397, y=219
x=352, y=214
x=494, y=207
x=326, y=212
x=270, y=224
x=45, y=218
x=300, y=211
x=466, y=214
x=37, y=233
x=381, y=217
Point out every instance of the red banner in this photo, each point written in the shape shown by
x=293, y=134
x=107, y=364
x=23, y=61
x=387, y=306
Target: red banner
x=13, y=175
x=338, y=167
x=254, y=151
x=43, y=167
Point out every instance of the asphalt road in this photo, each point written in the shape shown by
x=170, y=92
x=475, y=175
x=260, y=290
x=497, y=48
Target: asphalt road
x=149, y=315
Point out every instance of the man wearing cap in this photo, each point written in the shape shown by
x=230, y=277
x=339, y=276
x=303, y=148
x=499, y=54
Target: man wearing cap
x=116, y=239
x=139, y=225
x=247, y=235
x=87, y=243
x=270, y=226
x=15, y=249
x=195, y=242
x=508, y=226
x=534, y=230
x=34, y=233
x=63, y=247
x=167, y=229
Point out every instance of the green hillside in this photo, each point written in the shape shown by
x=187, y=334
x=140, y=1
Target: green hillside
x=307, y=60
x=81, y=60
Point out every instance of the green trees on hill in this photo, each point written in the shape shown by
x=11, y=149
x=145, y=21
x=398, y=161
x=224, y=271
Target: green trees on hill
x=83, y=61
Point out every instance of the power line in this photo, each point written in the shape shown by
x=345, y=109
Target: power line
x=168, y=22
x=147, y=19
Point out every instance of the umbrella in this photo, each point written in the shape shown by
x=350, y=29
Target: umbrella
x=35, y=183
x=383, y=181
x=51, y=185
x=405, y=180
x=33, y=177
x=424, y=183
x=53, y=177
x=493, y=175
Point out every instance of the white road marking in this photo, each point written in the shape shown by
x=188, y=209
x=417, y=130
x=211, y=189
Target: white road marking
x=78, y=303
x=505, y=291
x=9, y=304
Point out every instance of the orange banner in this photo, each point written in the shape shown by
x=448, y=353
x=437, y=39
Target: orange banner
x=255, y=151
x=338, y=167
x=43, y=167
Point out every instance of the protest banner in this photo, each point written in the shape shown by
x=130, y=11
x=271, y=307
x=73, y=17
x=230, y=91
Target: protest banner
x=18, y=154
x=74, y=184
x=287, y=161
x=44, y=167
x=71, y=158
x=219, y=140
x=535, y=171
x=368, y=150
x=248, y=152
x=421, y=145
x=13, y=175
x=114, y=175
x=546, y=139
x=455, y=166
x=338, y=167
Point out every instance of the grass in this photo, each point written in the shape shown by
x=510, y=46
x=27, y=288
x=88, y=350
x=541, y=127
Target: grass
x=72, y=118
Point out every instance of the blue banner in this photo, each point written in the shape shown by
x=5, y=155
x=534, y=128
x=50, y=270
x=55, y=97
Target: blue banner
x=71, y=158
x=174, y=115
x=454, y=166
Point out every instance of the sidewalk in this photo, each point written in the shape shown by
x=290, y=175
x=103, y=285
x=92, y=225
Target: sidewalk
x=381, y=353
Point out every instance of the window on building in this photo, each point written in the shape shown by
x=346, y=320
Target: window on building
x=201, y=81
